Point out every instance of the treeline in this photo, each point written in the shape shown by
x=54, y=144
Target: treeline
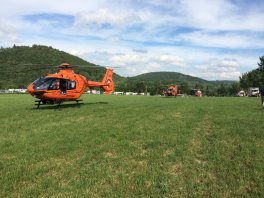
x=156, y=87
x=254, y=78
x=156, y=82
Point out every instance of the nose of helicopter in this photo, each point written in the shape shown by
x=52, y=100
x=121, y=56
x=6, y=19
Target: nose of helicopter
x=33, y=92
x=30, y=89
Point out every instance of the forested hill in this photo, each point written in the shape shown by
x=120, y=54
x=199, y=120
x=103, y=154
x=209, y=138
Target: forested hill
x=153, y=76
x=158, y=81
x=21, y=65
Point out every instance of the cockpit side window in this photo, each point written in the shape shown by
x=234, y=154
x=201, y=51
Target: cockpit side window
x=38, y=82
x=43, y=83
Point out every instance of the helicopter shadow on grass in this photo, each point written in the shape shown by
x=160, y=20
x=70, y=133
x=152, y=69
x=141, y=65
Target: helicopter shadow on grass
x=65, y=105
x=170, y=97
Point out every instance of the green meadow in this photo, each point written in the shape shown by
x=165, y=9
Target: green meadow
x=132, y=146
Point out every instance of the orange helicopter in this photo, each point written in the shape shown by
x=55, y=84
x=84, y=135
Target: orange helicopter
x=172, y=90
x=66, y=86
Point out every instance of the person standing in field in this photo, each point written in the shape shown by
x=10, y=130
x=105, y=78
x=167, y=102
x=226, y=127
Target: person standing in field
x=262, y=95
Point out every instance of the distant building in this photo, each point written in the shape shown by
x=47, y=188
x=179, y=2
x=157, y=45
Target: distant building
x=8, y=91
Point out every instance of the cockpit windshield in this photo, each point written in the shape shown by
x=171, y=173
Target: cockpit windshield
x=44, y=83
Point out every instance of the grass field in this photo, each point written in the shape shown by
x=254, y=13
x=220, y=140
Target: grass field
x=130, y=146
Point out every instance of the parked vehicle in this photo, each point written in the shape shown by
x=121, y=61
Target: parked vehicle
x=196, y=92
x=241, y=93
x=253, y=91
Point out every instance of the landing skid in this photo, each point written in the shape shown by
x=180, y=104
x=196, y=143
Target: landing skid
x=56, y=102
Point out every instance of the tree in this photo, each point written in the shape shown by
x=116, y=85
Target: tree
x=261, y=64
x=254, y=78
x=140, y=87
x=184, y=88
x=207, y=91
x=222, y=90
x=234, y=88
x=261, y=71
x=244, y=83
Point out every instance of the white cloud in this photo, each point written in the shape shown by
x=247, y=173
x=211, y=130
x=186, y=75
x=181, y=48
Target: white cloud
x=207, y=65
x=129, y=59
x=172, y=60
x=224, y=15
x=227, y=69
x=147, y=62
x=104, y=16
x=8, y=33
x=224, y=40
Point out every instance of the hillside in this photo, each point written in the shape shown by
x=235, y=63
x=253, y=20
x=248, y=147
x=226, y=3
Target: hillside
x=172, y=76
x=156, y=82
x=179, y=77
x=21, y=65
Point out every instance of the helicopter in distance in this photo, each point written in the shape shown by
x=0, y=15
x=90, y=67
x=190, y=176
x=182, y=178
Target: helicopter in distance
x=65, y=85
x=172, y=90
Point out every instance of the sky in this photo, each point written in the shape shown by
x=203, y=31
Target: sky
x=210, y=39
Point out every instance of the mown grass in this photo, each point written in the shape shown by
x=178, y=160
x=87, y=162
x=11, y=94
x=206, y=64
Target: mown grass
x=130, y=146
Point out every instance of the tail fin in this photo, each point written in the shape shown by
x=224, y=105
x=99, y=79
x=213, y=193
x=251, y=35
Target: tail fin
x=108, y=83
